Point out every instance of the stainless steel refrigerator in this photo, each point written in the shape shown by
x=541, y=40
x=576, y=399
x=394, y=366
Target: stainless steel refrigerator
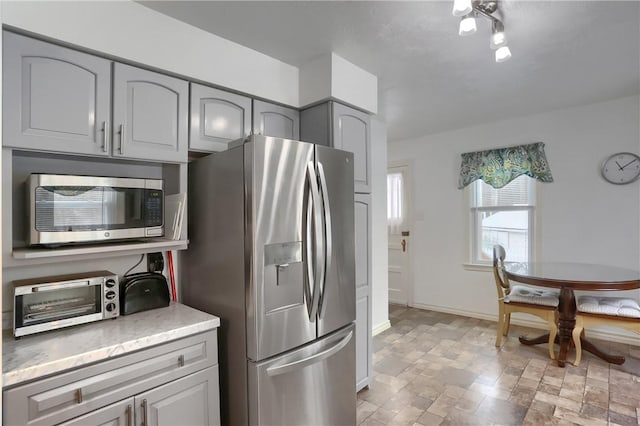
x=272, y=254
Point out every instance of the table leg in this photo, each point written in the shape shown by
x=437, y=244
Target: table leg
x=567, y=320
x=590, y=347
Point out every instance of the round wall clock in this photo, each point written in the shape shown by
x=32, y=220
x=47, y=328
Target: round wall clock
x=621, y=168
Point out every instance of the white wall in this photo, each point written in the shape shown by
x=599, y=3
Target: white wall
x=582, y=218
x=331, y=76
x=379, y=255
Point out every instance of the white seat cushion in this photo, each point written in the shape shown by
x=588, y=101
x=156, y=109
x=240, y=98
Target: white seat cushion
x=616, y=306
x=533, y=296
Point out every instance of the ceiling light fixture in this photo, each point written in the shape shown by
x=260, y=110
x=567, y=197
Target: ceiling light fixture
x=462, y=7
x=468, y=26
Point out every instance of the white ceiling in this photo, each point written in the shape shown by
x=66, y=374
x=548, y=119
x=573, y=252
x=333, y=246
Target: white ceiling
x=565, y=53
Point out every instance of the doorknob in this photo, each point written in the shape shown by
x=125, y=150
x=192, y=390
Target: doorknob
x=404, y=245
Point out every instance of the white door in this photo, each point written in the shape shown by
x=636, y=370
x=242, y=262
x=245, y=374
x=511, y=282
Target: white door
x=397, y=225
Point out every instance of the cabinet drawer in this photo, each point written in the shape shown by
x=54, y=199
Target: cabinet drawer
x=67, y=395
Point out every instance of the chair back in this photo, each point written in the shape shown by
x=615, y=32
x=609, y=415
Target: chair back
x=502, y=283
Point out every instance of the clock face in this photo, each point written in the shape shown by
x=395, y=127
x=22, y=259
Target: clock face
x=621, y=168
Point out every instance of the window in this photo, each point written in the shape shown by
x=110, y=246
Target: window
x=395, y=202
x=503, y=216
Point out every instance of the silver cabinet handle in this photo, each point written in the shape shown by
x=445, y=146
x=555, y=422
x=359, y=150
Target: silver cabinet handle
x=328, y=254
x=181, y=361
x=129, y=414
x=79, y=395
x=301, y=363
x=105, y=135
x=121, y=147
x=144, y=412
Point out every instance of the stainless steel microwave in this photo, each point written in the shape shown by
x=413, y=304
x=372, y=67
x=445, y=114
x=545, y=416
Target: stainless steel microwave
x=67, y=209
x=49, y=303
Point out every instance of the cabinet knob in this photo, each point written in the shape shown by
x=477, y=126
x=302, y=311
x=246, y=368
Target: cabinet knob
x=79, y=395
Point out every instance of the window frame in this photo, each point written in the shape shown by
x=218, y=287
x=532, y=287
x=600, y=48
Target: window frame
x=474, y=230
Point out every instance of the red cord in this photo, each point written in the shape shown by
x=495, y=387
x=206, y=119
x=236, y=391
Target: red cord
x=172, y=276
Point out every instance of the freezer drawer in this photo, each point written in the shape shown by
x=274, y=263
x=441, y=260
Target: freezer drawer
x=313, y=385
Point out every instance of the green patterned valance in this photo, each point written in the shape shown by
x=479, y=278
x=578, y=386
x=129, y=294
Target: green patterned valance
x=498, y=167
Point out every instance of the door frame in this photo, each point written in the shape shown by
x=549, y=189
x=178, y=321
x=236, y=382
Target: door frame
x=408, y=187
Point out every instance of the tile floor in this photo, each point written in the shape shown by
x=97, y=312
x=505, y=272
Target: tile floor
x=439, y=369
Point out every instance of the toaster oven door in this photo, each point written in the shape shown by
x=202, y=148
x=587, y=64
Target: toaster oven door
x=48, y=307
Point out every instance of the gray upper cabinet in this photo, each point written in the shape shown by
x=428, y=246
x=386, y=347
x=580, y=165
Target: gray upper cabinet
x=274, y=120
x=150, y=113
x=217, y=118
x=351, y=130
x=55, y=99
x=341, y=127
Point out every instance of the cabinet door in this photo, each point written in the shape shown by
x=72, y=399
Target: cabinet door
x=217, y=118
x=274, y=120
x=150, y=113
x=351, y=132
x=118, y=414
x=191, y=401
x=55, y=99
x=363, y=289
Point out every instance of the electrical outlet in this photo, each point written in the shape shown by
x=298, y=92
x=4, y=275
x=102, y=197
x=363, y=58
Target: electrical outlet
x=155, y=262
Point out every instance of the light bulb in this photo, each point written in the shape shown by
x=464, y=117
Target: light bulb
x=503, y=53
x=467, y=25
x=498, y=38
x=461, y=7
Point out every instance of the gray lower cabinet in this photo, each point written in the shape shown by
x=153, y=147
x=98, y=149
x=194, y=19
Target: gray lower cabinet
x=150, y=114
x=119, y=414
x=363, y=289
x=275, y=120
x=217, y=118
x=181, y=374
x=55, y=99
x=342, y=127
x=185, y=402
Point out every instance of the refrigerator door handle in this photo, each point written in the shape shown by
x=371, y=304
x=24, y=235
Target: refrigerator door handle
x=315, y=238
x=309, y=284
x=301, y=363
x=328, y=254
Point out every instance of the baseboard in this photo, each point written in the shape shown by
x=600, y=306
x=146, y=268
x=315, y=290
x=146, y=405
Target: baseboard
x=611, y=335
x=381, y=327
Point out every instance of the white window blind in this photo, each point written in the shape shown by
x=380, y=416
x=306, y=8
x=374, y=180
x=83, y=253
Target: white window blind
x=503, y=216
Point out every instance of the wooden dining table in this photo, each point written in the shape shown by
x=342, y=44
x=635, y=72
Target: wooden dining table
x=569, y=277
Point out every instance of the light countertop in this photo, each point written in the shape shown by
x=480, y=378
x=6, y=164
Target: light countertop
x=42, y=354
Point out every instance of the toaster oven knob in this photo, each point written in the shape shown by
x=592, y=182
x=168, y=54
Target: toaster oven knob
x=110, y=282
x=110, y=295
x=111, y=307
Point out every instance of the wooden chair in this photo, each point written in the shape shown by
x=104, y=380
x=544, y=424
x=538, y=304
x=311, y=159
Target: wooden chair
x=524, y=299
x=609, y=311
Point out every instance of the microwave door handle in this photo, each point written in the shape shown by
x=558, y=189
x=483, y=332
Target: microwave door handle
x=328, y=254
x=52, y=287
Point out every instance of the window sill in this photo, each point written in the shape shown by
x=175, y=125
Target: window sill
x=477, y=267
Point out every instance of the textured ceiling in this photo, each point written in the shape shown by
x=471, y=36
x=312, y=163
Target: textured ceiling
x=565, y=53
